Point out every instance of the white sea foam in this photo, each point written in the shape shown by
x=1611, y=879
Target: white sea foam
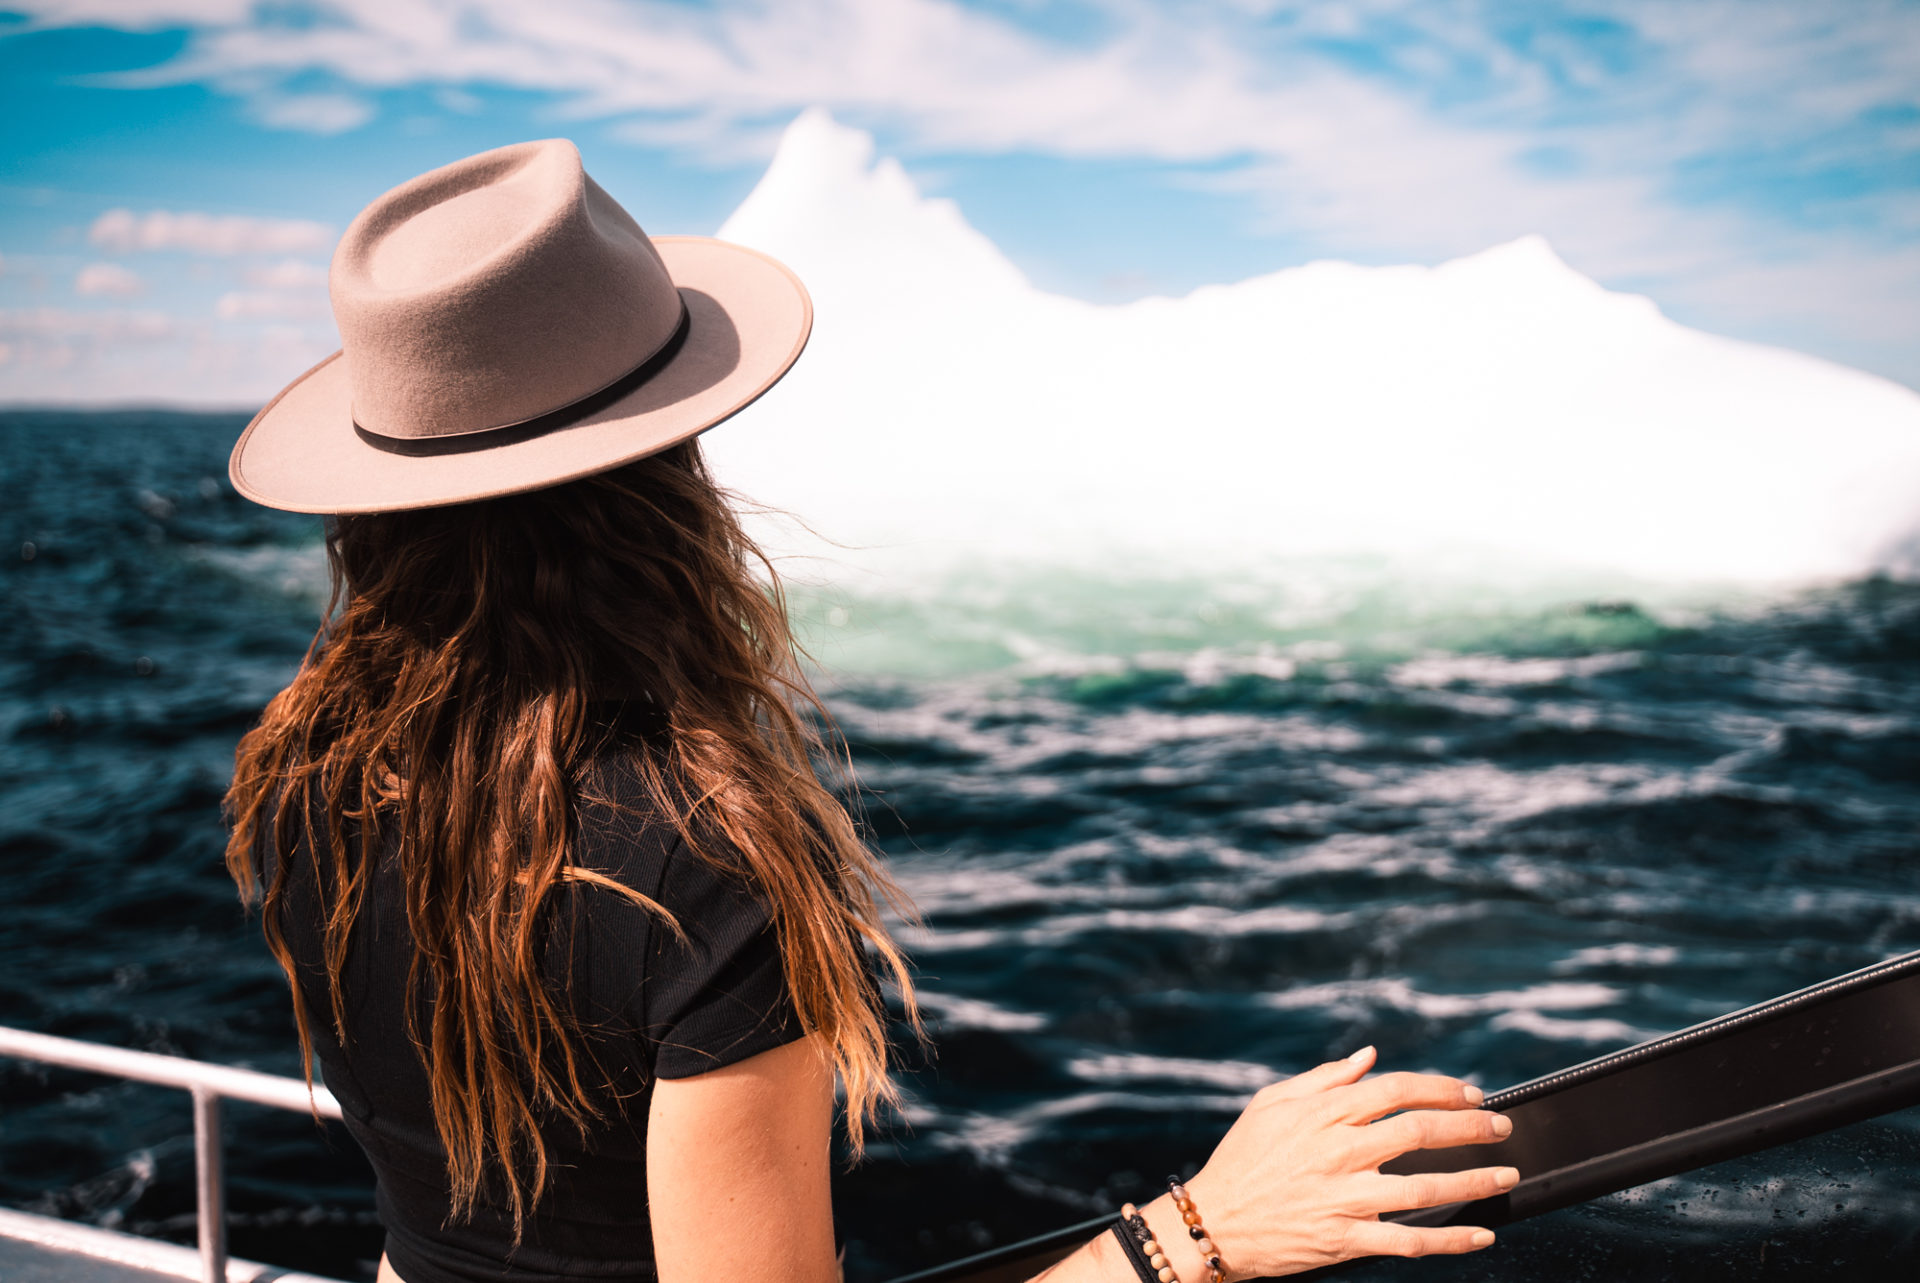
x=993, y=1138
x=955, y=1012
x=298, y=571
x=1598, y=1029
x=1433, y=671
x=1362, y=998
x=1203, y=921
x=1502, y=795
x=1229, y=1075
x=1624, y=954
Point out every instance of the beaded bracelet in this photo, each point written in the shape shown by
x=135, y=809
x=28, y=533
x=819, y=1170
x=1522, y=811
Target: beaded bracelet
x=1146, y=1256
x=1129, y=1237
x=1216, y=1272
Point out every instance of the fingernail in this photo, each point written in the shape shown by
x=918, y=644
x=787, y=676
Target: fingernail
x=1507, y=1177
x=1362, y=1054
x=1482, y=1238
x=1502, y=1125
x=1475, y=1095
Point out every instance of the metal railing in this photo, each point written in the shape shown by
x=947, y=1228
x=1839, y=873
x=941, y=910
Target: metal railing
x=208, y=1085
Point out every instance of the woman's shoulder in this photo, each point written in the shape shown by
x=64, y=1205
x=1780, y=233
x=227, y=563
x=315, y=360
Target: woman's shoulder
x=627, y=829
x=621, y=829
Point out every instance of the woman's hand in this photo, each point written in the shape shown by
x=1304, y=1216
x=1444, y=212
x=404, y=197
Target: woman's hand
x=1296, y=1182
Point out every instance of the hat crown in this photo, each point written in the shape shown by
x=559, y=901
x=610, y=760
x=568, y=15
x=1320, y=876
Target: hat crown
x=494, y=291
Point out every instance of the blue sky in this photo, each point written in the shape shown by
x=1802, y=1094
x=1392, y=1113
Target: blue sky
x=174, y=170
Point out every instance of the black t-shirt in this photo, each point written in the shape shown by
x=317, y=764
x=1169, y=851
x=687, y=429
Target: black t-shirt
x=652, y=1006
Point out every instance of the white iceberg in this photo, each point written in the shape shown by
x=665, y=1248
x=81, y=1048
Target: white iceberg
x=1500, y=405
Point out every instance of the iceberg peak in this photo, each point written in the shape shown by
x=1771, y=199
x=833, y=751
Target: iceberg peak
x=1526, y=263
x=1529, y=253
x=832, y=212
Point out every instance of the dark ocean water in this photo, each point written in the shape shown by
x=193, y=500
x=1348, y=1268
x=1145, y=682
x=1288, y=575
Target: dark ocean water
x=1172, y=836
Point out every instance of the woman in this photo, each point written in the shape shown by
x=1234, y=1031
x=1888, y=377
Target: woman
x=580, y=938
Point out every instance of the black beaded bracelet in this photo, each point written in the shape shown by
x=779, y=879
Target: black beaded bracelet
x=1130, y=1248
x=1149, y=1259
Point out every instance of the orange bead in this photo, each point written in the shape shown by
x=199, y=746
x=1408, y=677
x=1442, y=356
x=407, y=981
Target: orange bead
x=1191, y=1218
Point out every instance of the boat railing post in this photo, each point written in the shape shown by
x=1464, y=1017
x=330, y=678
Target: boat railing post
x=209, y=1085
x=209, y=1178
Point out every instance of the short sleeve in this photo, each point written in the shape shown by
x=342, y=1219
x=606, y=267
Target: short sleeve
x=720, y=995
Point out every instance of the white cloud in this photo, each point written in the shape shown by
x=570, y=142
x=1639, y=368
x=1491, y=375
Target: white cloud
x=268, y=305
x=288, y=274
x=108, y=326
x=1173, y=80
x=1428, y=149
x=134, y=15
x=109, y=280
x=457, y=101
x=313, y=113
x=1357, y=159
x=76, y=356
x=122, y=230
x=62, y=354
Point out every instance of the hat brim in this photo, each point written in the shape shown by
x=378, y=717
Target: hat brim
x=748, y=319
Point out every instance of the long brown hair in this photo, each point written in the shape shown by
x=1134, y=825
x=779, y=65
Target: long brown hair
x=445, y=702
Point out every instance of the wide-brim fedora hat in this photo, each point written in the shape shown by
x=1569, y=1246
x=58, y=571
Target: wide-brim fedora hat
x=505, y=326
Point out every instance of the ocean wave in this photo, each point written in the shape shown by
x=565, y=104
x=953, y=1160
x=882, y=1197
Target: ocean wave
x=1165, y=831
x=1229, y=1075
x=1352, y=998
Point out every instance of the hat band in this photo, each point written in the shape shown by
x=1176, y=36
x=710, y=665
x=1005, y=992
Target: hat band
x=540, y=425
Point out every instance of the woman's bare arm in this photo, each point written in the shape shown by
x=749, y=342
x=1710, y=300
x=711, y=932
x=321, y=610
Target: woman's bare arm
x=738, y=1167
x=738, y=1171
